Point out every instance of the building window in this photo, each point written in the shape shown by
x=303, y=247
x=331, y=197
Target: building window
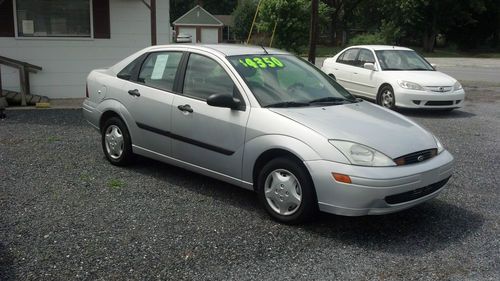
x=53, y=18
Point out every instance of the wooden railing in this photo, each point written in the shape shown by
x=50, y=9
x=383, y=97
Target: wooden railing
x=24, y=78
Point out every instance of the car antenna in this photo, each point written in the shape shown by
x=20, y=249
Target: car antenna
x=262, y=46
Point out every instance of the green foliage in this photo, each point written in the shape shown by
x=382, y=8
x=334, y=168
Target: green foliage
x=367, y=39
x=116, y=184
x=292, y=19
x=243, y=17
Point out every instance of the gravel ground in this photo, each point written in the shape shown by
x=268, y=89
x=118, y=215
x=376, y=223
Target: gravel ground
x=67, y=214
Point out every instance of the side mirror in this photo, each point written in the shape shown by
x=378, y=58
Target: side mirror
x=221, y=100
x=369, y=65
x=435, y=66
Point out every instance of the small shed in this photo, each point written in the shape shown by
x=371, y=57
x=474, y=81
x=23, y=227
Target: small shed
x=201, y=25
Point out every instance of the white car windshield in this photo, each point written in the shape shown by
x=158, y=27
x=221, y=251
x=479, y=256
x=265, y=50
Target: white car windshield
x=402, y=60
x=288, y=81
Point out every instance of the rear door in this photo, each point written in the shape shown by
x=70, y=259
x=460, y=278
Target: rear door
x=203, y=135
x=148, y=99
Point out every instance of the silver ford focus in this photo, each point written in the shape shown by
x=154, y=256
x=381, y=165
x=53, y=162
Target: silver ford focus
x=268, y=121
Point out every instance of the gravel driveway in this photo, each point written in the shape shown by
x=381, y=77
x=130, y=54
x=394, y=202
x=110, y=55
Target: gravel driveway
x=67, y=214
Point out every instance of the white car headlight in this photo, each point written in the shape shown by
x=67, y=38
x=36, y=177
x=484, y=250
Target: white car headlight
x=362, y=155
x=410, y=85
x=440, y=146
x=457, y=86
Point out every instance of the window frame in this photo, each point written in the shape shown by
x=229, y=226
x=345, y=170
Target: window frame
x=69, y=38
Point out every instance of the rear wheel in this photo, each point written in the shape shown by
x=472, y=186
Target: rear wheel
x=386, y=97
x=116, y=142
x=286, y=191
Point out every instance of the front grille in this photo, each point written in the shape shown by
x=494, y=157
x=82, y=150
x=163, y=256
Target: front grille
x=416, y=157
x=439, y=89
x=440, y=102
x=415, y=194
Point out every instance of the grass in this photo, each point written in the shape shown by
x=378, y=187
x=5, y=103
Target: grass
x=115, y=184
x=53, y=139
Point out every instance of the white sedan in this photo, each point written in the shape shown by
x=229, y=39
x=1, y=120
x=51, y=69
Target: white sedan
x=394, y=77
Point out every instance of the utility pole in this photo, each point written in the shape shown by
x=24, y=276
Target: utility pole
x=313, y=31
x=152, y=8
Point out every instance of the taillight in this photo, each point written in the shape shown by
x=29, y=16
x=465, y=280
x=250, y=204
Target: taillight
x=86, y=90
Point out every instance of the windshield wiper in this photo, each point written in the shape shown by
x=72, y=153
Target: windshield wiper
x=329, y=100
x=287, y=104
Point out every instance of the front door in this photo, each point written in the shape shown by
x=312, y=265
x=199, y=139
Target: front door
x=203, y=135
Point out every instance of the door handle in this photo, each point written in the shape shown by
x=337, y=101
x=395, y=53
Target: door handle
x=134, y=92
x=185, y=108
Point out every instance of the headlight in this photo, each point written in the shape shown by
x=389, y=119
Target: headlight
x=410, y=85
x=457, y=86
x=440, y=147
x=361, y=155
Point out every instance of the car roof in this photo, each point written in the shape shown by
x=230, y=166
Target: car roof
x=382, y=47
x=229, y=49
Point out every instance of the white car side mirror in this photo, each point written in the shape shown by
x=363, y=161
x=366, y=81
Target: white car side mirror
x=369, y=65
x=435, y=66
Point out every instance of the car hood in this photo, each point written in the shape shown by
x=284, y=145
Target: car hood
x=364, y=123
x=424, y=78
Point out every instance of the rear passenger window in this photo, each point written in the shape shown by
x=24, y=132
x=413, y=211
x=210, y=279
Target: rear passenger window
x=159, y=70
x=205, y=77
x=349, y=57
x=128, y=71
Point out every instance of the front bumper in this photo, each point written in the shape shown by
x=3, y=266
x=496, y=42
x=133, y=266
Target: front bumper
x=427, y=99
x=378, y=190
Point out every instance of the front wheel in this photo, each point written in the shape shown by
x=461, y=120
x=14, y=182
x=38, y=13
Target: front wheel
x=386, y=97
x=286, y=191
x=116, y=142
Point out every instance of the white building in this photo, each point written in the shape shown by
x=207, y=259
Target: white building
x=68, y=38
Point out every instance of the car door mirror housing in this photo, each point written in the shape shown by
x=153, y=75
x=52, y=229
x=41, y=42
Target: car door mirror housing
x=435, y=66
x=369, y=65
x=222, y=100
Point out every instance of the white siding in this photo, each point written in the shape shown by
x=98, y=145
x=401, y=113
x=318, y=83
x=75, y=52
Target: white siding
x=66, y=63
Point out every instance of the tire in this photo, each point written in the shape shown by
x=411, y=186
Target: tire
x=386, y=97
x=116, y=144
x=286, y=191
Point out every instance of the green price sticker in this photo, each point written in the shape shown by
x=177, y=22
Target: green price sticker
x=261, y=62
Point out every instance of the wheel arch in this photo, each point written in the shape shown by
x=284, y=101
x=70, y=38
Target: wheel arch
x=270, y=154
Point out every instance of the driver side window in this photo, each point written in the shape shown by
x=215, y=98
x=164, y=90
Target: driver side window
x=205, y=77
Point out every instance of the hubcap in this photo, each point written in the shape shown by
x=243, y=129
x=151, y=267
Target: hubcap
x=113, y=140
x=387, y=99
x=283, y=192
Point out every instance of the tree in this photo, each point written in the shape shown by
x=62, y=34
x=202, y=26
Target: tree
x=313, y=31
x=292, y=21
x=243, y=17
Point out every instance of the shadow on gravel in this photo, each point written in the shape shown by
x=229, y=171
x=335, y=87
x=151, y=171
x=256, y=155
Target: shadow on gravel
x=436, y=114
x=217, y=190
x=431, y=226
x=6, y=264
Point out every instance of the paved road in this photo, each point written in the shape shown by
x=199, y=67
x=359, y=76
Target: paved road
x=464, y=69
x=67, y=214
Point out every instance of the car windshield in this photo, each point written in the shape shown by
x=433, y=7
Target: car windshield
x=402, y=60
x=288, y=81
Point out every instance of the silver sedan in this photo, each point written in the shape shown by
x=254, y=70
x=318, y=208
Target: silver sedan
x=268, y=121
